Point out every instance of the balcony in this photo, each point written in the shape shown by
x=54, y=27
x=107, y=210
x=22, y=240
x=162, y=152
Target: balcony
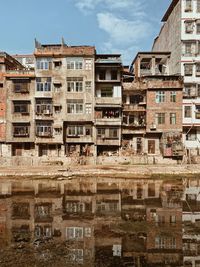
x=135, y=107
x=108, y=141
x=79, y=139
x=108, y=101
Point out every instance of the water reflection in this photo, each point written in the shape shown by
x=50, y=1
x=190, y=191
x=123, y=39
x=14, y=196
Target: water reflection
x=112, y=222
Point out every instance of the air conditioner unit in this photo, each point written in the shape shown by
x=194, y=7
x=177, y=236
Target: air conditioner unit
x=47, y=112
x=153, y=126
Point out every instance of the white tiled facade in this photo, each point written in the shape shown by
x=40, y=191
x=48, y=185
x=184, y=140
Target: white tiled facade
x=182, y=20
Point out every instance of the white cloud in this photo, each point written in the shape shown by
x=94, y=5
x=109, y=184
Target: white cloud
x=122, y=31
x=132, y=6
x=127, y=53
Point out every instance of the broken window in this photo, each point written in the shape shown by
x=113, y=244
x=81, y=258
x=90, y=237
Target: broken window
x=160, y=118
x=43, y=84
x=173, y=118
x=21, y=130
x=44, y=106
x=74, y=63
x=44, y=129
x=21, y=107
x=75, y=106
x=74, y=84
x=43, y=64
x=188, y=69
x=160, y=97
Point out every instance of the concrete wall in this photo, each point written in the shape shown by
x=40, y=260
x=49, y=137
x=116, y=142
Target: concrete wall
x=169, y=39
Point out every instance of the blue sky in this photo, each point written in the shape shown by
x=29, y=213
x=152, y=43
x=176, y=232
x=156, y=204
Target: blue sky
x=113, y=26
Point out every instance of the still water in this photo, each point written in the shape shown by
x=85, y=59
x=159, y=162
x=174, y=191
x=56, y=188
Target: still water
x=107, y=222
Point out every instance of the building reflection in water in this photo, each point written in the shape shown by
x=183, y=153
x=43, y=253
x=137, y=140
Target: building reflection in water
x=113, y=222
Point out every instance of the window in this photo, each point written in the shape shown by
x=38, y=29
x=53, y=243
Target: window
x=76, y=255
x=75, y=207
x=172, y=218
x=74, y=232
x=57, y=87
x=198, y=28
x=188, y=5
x=88, y=232
x=173, y=118
x=191, y=135
x=43, y=64
x=57, y=64
x=101, y=132
x=187, y=112
x=188, y=49
x=21, y=130
x=88, y=64
x=188, y=69
x=160, y=118
x=44, y=129
x=160, y=97
x=20, y=107
x=189, y=25
x=151, y=190
x=198, y=5
x=102, y=75
x=198, y=70
x=75, y=106
x=113, y=133
x=43, y=210
x=74, y=63
x=57, y=130
x=1, y=85
x=74, y=84
x=75, y=130
x=88, y=130
x=88, y=108
x=43, y=84
x=173, y=96
x=88, y=86
x=20, y=86
x=160, y=242
x=172, y=243
x=44, y=106
x=114, y=74
x=107, y=92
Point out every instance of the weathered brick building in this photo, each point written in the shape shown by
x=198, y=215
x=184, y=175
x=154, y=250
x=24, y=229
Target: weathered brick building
x=80, y=107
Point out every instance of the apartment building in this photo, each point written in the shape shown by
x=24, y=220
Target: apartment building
x=79, y=107
x=180, y=36
x=152, y=114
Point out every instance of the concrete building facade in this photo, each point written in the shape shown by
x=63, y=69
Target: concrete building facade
x=180, y=36
x=79, y=107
